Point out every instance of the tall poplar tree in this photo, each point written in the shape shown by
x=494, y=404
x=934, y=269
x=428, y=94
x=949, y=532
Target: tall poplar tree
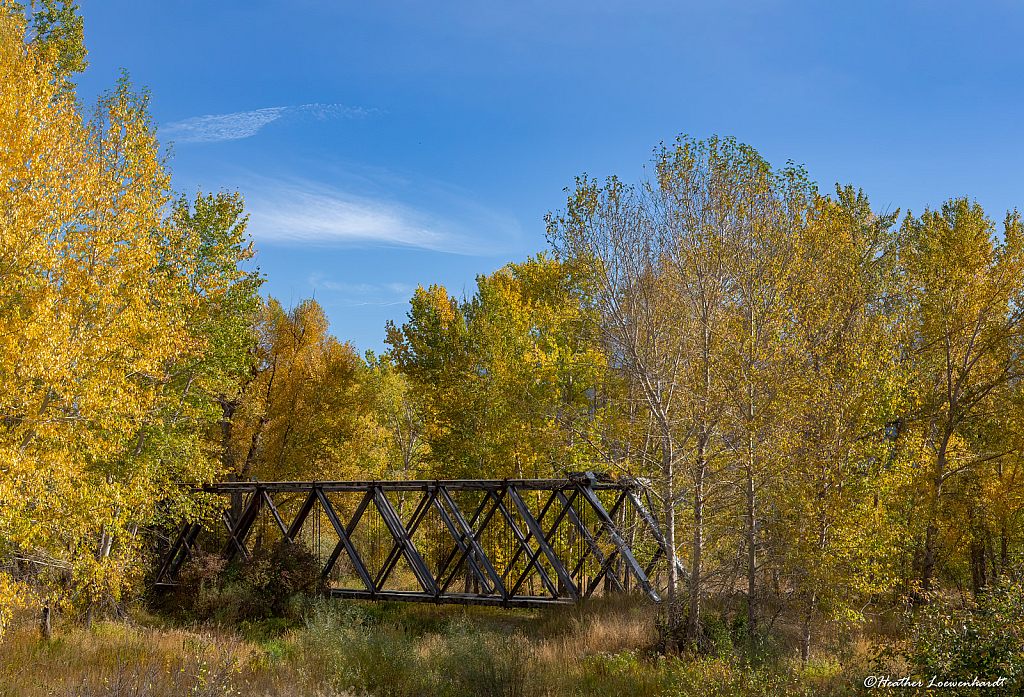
x=964, y=294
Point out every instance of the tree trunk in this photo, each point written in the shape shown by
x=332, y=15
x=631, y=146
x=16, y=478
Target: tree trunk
x=928, y=562
x=250, y=459
x=693, y=621
x=106, y=543
x=228, y=408
x=751, y=511
x=990, y=550
x=976, y=569
x=805, y=635
x=1004, y=552
x=751, y=559
x=977, y=552
x=670, y=532
x=928, y=558
x=236, y=499
x=44, y=625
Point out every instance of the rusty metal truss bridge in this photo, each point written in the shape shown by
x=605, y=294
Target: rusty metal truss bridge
x=508, y=542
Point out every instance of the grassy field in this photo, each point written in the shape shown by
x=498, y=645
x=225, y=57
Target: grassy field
x=349, y=648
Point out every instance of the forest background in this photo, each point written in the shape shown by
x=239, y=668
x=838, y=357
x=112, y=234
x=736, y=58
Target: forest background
x=826, y=398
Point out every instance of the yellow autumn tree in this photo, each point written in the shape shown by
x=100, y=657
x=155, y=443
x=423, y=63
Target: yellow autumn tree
x=506, y=382
x=963, y=292
x=834, y=542
x=303, y=413
x=92, y=314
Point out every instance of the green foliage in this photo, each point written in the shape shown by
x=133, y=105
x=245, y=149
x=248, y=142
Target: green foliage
x=106, y=306
x=397, y=447
x=506, y=382
x=717, y=636
x=488, y=664
x=209, y=249
x=983, y=638
x=57, y=33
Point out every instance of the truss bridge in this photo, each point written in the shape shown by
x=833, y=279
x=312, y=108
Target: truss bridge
x=507, y=542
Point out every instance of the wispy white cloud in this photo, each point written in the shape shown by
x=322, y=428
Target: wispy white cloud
x=358, y=294
x=242, y=124
x=291, y=213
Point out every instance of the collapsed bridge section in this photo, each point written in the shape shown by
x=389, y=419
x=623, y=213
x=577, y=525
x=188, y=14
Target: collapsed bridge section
x=507, y=542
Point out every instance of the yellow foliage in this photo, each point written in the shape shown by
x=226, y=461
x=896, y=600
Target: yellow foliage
x=93, y=314
x=303, y=417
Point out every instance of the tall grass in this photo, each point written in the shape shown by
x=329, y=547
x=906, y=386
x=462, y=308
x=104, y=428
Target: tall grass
x=116, y=660
x=391, y=650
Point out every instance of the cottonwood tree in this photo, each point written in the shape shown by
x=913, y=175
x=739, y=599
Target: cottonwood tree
x=56, y=34
x=303, y=413
x=398, y=418
x=830, y=549
x=207, y=247
x=434, y=349
x=506, y=379
x=963, y=288
x=94, y=316
x=765, y=211
x=614, y=229
x=699, y=202
x=540, y=366
x=1002, y=493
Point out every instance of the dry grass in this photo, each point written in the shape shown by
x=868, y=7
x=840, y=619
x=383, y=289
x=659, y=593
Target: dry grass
x=601, y=628
x=601, y=648
x=115, y=659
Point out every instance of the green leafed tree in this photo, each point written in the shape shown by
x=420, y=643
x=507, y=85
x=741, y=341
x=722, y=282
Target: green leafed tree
x=963, y=289
x=508, y=381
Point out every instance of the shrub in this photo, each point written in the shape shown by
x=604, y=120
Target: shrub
x=198, y=590
x=264, y=586
x=983, y=638
x=344, y=643
x=273, y=579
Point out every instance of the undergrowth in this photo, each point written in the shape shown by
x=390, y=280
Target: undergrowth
x=355, y=649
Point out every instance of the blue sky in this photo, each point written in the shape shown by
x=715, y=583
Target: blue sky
x=381, y=145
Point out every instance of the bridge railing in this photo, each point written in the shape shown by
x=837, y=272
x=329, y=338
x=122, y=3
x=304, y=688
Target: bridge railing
x=508, y=542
